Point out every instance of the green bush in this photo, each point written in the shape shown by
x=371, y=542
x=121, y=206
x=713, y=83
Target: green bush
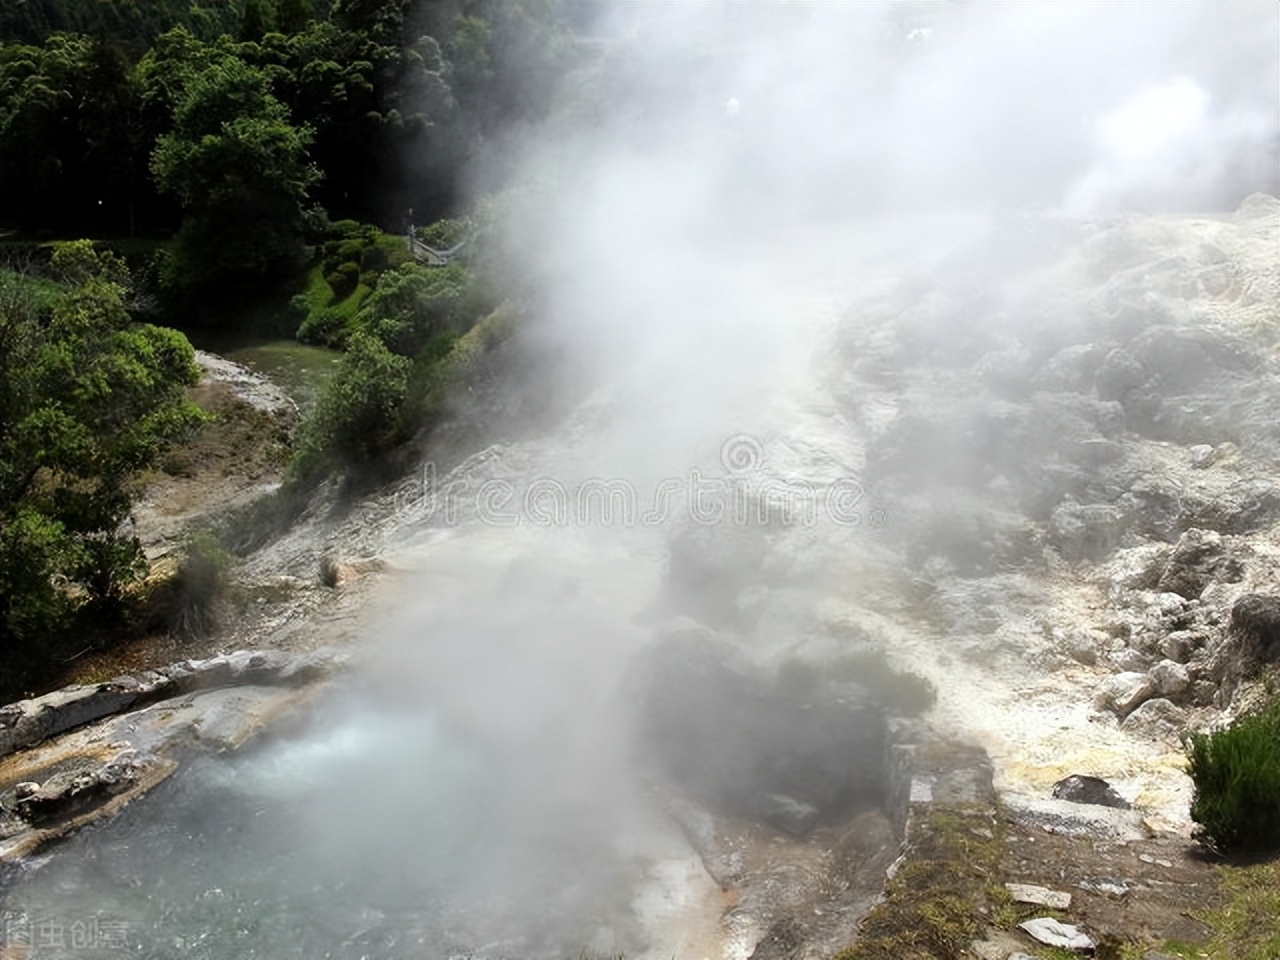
x=344, y=280
x=357, y=419
x=199, y=584
x=899, y=692
x=1236, y=772
x=326, y=327
x=374, y=260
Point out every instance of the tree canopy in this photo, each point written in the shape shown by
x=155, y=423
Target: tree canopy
x=88, y=398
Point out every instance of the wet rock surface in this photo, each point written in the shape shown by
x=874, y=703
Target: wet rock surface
x=750, y=746
x=78, y=754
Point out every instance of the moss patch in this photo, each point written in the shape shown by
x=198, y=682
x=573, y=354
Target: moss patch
x=1247, y=925
x=935, y=905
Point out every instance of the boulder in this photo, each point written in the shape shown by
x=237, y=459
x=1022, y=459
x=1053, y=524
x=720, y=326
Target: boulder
x=1199, y=559
x=1123, y=693
x=1186, y=357
x=1255, y=625
x=1202, y=455
x=1118, y=375
x=1086, y=531
x=1070, y=369
x=1171, y=678
x=740, y=740
x=1158, y=716
x=1080, y=788
x=1082, y=646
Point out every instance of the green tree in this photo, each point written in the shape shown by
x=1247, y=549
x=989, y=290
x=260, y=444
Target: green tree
x=87, y=399
x=292, y=16
x=240, y=170
x=358, y=418
x=68, y=134
x=255, y=21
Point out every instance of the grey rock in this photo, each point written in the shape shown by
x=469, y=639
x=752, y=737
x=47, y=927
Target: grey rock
x=1039, y=896
x=1118, y=375
x=790, y=815
x=1081, y=788
x=1070, y=369
x=1076, y=819
x=1123, y=693
x=1181, y=645
x=1199, y=559
x=1157, y=716
x=28, y=722
x=1086, y=531
x=1081, y=647
x=1171, y=678
x=1202, y=455
x=1186, y=357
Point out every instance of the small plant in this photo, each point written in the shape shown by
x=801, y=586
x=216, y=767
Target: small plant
x=199, y=584
x=1236, y=772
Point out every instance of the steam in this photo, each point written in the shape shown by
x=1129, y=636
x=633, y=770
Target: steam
x=719, y=179
x=744, y=155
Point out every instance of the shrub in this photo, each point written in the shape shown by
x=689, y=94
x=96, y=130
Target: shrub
x=199, y=584
x=899, y=692
x=327, y=327
x=374, y=260
x=1236, y=772
x=344, y=280
x=357, y=419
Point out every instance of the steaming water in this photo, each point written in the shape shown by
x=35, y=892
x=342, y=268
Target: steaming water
x=318, y=847
x=470, y=799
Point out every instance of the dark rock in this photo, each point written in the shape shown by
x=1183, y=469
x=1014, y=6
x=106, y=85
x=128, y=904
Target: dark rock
x=1255, y=623
x=1079, y=788
x=72, y=791
x=1199, y=559
x=736, y=738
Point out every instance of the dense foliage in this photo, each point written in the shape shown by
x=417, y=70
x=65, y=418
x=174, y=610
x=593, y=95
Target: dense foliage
x=87, y=399
x=392, y=102
x=1236, y=772
x=265, y=158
